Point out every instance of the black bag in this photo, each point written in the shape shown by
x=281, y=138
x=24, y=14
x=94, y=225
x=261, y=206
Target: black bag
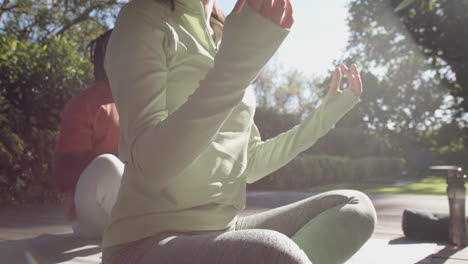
x=420, y=225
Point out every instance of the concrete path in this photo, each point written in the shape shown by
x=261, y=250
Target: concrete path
x=39, y=234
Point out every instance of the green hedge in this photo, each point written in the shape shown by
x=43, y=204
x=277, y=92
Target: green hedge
x=350, y=142
x=311, y=170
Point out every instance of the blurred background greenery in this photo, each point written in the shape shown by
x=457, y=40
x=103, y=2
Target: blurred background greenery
x=414, y=61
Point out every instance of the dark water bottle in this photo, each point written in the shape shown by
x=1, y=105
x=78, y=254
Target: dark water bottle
x=456, y=197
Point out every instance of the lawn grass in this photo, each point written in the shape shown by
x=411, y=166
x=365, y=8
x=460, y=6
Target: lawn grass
x=428, y=185
x=433, y=185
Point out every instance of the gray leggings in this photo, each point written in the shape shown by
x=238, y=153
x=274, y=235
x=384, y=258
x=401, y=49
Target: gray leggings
x=323, y=229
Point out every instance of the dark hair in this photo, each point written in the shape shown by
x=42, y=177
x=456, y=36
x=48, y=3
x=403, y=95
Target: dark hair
x=217, y=13
x=97, y=49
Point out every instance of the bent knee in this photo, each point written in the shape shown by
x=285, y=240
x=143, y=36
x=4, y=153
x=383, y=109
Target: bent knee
x=361, y=213
x=354, y=196
x=104, y=172
x=107, y=162
x=360, y=202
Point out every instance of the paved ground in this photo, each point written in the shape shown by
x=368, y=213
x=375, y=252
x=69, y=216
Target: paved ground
x=34, y=233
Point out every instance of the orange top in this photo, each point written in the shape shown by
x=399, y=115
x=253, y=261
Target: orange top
x=90, y=123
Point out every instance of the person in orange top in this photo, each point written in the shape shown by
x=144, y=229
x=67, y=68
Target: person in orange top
x=85, y=165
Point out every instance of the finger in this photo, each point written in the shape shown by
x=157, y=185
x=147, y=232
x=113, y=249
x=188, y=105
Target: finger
x=348, y=73
x=288, y=19
x=357, y=82
x=336, y=81
x=239, y=5
x=277, y=11
x=266, y=9
x=345, y=69
x=355, y=71
x=354, y=82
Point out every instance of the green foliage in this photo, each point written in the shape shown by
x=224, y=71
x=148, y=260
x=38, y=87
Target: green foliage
x=36, y=81
x=419, y=49
x=42, y=44
x=450, y=144
x=79, y=20
x=307, y=171
x=415, y=73
x=352, y=143
x=288, y=92
x=271, y=122
x=404, y=4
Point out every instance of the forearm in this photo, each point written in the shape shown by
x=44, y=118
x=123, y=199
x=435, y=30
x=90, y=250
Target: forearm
x=268, y=156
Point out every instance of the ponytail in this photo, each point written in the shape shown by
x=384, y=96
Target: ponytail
x=97, y=49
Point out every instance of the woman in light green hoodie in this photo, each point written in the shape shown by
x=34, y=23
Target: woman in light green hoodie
x=190, y=146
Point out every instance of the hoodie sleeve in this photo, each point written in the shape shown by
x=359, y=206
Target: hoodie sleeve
x=272, y=154
x=137, y=67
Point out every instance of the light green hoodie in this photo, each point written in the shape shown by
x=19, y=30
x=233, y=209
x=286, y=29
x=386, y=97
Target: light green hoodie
x=186, y=117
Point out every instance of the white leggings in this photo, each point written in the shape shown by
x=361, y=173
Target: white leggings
x=95, y=195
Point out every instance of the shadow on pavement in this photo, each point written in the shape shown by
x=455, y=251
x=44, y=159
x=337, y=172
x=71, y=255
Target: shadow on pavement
x=405, y=240
x=447, y=252
x=48, y=248
x=439, y=257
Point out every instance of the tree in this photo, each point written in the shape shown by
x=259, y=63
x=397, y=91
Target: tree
x=439, y=28
x=287, y=92
x=76, y=20
x=433, y=30
x=416, y=67
x=42, y=64
x=35, y=82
